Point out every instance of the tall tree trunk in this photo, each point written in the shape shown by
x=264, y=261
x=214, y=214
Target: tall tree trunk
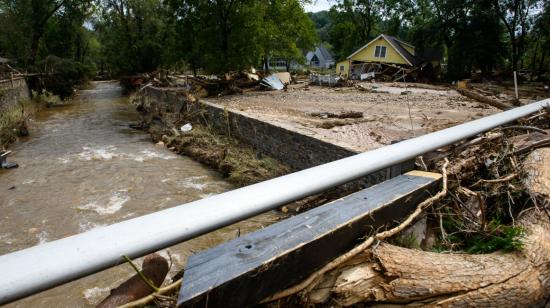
x=514, y=53
x=534, y=60
x=35, y=42
x=541, y=65
x=266, y=64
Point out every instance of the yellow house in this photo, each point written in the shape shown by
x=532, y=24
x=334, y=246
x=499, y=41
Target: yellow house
x=384, y=49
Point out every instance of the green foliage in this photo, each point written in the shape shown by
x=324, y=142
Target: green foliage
x=32, y=30
x=62, y=75
x=497, y=237
x=132, y=34
x=354, y=23
x=322, y=23
x=128, y=36
x=494, y=236
x=473, y=35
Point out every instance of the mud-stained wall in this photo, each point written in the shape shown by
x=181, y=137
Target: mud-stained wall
x=297, y=150
x=12, y=92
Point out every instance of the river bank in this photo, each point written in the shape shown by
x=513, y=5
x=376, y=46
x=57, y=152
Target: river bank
x=15, y=108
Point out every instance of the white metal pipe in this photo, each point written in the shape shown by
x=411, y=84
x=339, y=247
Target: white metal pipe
x=34, y=269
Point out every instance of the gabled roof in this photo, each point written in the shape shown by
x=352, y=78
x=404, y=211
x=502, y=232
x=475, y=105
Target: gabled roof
x=397, y=45
x=324, y=53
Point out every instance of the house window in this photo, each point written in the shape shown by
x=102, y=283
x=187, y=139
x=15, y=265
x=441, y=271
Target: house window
x=341, y=68
x=380, y=52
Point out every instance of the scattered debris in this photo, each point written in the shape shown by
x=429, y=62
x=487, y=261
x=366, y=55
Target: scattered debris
x=3, y=161
x=324, y=80
x=284, y=77
x=253, y=76
x=186, y=128
x=273, y=82
x=341, y=115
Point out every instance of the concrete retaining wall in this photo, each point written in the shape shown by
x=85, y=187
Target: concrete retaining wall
x=12, y=92
x=297, y=150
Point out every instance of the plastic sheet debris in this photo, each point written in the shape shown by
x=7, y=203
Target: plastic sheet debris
x=273, y=82
x=186, y=128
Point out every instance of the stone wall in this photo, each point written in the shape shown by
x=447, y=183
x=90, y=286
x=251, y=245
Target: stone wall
x=299, y=151
x=12, y=92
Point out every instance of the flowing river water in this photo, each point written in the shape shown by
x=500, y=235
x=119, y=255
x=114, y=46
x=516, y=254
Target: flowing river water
x=83, y=168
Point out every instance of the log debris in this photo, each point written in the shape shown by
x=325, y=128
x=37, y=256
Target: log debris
x=154, y=268
x=394, y=275
x=484, y=99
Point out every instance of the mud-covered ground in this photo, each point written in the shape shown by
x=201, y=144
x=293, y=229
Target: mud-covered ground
x=385, y=108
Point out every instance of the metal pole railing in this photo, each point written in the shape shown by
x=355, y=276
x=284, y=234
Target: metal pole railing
x=38, y=268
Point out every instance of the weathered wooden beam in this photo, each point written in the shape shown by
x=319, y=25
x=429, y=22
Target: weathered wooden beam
x=244, y=271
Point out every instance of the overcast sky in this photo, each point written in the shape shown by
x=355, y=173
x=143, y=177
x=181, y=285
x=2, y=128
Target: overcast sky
x=318, y=5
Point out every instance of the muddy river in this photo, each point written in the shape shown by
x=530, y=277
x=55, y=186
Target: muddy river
x=83, y=167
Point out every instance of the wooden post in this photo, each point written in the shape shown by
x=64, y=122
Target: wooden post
x=246, y=270
x=516, y=85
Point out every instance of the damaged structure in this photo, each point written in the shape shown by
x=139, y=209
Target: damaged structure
x=384, y=55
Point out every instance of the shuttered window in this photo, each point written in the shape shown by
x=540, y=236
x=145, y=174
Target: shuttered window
x=380, y=52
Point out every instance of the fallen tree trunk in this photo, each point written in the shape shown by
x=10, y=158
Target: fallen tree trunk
x=484, y=99
x=389, y=274
x=154, y=268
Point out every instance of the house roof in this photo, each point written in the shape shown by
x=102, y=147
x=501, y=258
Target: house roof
x=322, y=54
x=325, y=53
x=397, y=45
x=402, y=51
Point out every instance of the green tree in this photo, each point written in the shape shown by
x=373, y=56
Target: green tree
x=133, y=34
x=516, y=15
x=223, y=35
x=354, y=23
x=286, y=31
x=26, y=22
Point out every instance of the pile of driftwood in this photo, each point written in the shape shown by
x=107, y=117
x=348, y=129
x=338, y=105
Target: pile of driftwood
x=209, y=85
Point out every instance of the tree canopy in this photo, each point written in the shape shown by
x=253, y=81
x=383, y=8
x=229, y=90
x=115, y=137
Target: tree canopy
x=130, y=36
x=473, y=35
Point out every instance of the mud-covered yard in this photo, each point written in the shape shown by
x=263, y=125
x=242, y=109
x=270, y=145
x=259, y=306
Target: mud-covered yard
x=385, y=108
